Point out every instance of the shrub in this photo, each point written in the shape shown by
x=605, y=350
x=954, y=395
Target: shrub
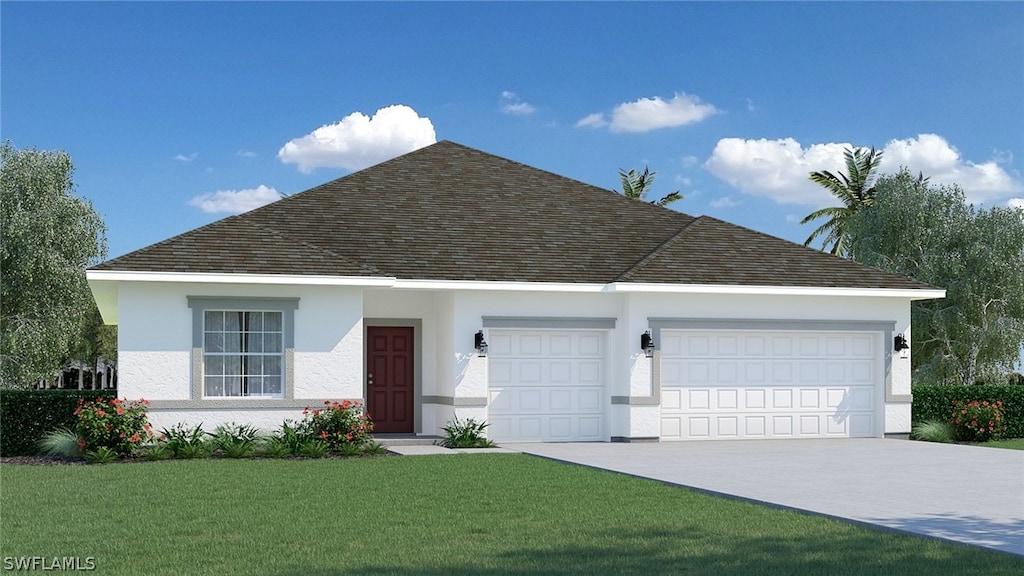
x=193, y=451
x=182, y=440
x=238, y=449
x=61, y=442
x=338, y=424
x=934, y=402
x=116, y=424
x=102, y=455
x=277, y=447
x=975, y=421
x=466, y=434
x=235, y=440
x=27, y=415
x=158, y=451
x=933, y=431
x=314, y=448
x=375, y=448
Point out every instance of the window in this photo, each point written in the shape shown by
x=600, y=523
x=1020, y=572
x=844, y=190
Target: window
x=242, y=348
x=243, y=353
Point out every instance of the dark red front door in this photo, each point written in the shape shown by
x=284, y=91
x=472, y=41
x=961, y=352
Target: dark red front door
x=389, y=378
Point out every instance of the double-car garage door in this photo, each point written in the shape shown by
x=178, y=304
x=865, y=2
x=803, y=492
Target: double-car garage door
x=718, y=384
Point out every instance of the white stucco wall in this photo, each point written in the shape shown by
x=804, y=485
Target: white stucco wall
x=631, y=373
x=155, y=343
x=155, y=347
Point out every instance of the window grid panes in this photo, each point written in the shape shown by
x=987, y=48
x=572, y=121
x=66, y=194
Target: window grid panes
x=243, y=353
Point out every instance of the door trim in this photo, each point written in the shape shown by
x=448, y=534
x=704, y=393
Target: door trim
x=417, y=358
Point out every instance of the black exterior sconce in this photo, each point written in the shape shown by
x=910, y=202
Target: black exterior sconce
x=899, y=344
x=479, y=343
x=647, y=344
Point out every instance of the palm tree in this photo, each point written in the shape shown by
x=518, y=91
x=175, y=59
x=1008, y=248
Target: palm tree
x=855, y=190
x=635, y=186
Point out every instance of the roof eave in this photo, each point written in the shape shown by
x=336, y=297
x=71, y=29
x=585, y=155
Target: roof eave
x=911, y=293
x=222, y=278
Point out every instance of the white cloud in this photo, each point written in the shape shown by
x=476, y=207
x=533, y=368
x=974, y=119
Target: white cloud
x=186, y=157
x=1016, y=203
x=235, y=201
x=779, y=169
x=724, y=202
x=358, y=141
x=245, y=154
x=595, y=120
x=648, y=114
x=511, y=104
x=933, y=156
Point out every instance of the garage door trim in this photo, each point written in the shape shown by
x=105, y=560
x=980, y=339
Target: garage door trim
x=548, y=323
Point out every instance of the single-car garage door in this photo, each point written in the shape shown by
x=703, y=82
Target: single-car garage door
x=718, y=384
x=546, y=385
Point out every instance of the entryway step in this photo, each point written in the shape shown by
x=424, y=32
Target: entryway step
x=389, y=440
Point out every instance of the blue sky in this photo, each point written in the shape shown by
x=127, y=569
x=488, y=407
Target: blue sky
x=177, y=114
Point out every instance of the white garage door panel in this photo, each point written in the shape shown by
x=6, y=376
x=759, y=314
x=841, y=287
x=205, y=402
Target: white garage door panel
x=546, y=385
x=746, y=384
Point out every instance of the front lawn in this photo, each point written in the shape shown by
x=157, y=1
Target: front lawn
x=1010, y=443
x=468, y=514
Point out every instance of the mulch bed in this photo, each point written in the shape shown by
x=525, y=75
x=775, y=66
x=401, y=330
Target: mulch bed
x=42, y=460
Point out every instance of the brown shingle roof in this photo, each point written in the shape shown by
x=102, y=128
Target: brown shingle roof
x=448, y=212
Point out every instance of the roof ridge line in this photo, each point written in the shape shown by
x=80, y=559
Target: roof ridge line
x=657, y=250
x=312, y=246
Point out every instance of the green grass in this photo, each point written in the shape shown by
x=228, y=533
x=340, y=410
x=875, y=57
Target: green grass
x=469, y=514
x=1011, y=444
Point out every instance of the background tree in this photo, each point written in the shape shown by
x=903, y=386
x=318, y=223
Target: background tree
x=853, y=189
x=48, y=237
x=931, y=234
x=636, y=185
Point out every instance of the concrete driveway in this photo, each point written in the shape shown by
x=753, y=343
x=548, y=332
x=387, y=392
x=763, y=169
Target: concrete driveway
x=961, y=493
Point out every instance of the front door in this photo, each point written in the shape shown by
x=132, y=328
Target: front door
x=389, y=378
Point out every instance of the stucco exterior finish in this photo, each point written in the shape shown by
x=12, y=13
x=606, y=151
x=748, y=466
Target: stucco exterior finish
x=156, y=353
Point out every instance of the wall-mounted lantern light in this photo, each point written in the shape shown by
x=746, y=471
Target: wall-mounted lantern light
x=899, y=344
x=479, y=343
x=647, y=344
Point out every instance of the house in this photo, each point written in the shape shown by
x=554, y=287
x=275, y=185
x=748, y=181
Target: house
x=450, y=282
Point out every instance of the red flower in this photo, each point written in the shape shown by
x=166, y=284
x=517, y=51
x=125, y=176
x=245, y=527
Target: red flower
x=135, y=438
x=323, y=434
x=101, y=413
x=121, y=435
x=81, y=443
x=115, y=402
x=120, y=411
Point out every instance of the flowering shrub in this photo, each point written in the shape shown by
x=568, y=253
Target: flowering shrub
x=337, y=424
x=975, y=421
x=114, y=424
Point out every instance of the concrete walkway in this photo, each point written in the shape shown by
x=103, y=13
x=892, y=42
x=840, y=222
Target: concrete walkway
x=966, y=494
